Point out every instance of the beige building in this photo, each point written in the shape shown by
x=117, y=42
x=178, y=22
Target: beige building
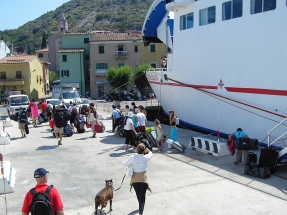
x=43, y=54
x=111, y=50
x=23, y=73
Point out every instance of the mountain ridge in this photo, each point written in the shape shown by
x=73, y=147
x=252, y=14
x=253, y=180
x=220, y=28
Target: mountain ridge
x=82, y=15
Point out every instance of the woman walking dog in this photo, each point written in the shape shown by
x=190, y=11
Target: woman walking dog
x=139, y=180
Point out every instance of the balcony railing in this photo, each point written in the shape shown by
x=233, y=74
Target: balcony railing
x=121, y=54
x=101, y=72
x=12, y=81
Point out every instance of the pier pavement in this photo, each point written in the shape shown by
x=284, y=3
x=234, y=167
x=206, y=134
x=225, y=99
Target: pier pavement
x=188, y=183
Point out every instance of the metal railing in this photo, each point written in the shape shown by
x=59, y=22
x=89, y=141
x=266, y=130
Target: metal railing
x=269, y=133
x=101, y=72
x=121, y=54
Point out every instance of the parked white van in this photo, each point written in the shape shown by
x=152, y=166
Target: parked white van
x=15, y=102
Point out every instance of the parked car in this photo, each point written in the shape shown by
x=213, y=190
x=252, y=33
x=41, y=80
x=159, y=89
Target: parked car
x=15, y=102
x=53, y=101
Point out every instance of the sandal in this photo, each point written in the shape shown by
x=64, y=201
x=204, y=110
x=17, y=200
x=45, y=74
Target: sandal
x=235, y=163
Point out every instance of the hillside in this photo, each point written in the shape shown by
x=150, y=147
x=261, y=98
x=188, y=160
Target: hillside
x=112, y=15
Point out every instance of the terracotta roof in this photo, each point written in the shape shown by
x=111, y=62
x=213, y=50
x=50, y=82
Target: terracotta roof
x=42, y=50
x=115, y=37
x=17, y=59
x=71, y=50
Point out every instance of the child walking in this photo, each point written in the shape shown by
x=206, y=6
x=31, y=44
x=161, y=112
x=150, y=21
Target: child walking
x=159, y=135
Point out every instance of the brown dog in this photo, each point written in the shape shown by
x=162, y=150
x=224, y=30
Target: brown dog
x=104, y=196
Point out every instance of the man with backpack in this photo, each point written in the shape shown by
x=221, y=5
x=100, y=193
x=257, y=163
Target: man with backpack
x=22, y=120
x=60, y=123
x=42, y=199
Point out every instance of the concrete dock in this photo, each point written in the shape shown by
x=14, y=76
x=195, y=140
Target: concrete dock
x=188, y=183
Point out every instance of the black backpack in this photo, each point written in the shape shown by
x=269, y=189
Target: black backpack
x=41, y=203
x=22, y=116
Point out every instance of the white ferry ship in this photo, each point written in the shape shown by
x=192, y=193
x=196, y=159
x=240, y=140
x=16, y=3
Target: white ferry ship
x=227, y=67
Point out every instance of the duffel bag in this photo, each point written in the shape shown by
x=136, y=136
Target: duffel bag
x=243, y=143
x=251, y=170
x=151, y=137
x=264, y=172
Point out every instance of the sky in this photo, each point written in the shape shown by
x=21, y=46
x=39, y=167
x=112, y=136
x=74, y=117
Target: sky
x=14, y=13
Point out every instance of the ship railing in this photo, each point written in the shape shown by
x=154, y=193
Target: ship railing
x=269, y=133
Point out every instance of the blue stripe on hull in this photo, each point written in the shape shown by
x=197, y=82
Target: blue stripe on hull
x=210, y=131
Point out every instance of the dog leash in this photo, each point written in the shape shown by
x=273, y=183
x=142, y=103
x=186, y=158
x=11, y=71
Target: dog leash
x=121, y=183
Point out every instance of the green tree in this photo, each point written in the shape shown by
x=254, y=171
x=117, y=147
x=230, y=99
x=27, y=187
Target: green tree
x=44, y=41
x=120, y=77
x=52, y=76
x=140, y=79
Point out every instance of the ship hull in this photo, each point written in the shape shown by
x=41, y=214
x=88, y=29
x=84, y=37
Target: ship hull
x=212, y=108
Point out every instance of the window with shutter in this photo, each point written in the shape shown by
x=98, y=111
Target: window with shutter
x=152, y=48
x=64, y=58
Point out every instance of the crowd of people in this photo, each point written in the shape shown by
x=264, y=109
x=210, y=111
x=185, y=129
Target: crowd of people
x=58, y=117
x=134, y=120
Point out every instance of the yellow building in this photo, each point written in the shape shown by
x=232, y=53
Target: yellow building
x=23, y=73
x=153, y=53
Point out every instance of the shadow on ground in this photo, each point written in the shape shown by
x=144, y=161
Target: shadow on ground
x=47, y=147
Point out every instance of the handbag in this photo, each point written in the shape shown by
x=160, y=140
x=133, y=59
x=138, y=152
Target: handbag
x=129, y=170
x=88, y=125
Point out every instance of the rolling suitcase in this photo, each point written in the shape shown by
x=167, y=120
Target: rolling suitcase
x=268, y=158
x=151, y=137
x=169, y=143
x=26, y=129
x=146, y=143
x=243, y=144
x=80, y=128
x=178, y=146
